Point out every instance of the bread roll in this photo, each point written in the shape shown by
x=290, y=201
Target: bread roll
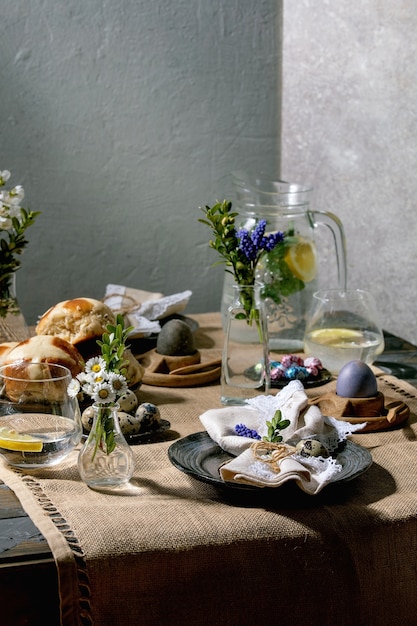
x=46, y=349
x=5, y=349
x=77, y=320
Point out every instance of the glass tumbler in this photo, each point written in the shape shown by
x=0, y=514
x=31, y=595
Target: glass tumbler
x=342, y=326
x=39, y=423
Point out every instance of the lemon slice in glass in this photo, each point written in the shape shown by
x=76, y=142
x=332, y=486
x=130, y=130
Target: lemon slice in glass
x=301, y=259
x=12, y=440
x=337, y=337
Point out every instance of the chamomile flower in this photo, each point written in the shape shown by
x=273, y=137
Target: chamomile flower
x=103, y=393
x=95, y=365
x=103, y=379
x=74, y=388
x=118, y=383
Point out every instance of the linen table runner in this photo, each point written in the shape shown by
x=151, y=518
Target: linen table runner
x=169, y=549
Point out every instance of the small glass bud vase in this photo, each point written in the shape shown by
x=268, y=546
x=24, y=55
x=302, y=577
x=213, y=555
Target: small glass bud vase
x=245, y=361
x=106, y=459
x=13, y=325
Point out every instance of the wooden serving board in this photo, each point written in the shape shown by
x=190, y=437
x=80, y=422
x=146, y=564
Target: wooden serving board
x=391, y=414
x=160, y=370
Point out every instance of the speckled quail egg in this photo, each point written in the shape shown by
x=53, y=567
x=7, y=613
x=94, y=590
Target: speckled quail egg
x=87, y=418
x=311, y=447
x=129, y=424
x=148, y=415
x=128, y=402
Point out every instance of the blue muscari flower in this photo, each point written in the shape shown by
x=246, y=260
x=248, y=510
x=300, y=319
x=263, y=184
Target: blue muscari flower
x=273, y=240
x=244, y=431
x=246, y=245
x=256, y=241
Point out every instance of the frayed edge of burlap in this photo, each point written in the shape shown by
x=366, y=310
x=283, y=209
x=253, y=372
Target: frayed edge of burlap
x=79, y=556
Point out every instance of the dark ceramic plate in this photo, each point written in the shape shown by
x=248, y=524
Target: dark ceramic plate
x=199, y=456
x=323, y=377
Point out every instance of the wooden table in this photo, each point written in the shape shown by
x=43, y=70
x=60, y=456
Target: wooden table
x=28, y=576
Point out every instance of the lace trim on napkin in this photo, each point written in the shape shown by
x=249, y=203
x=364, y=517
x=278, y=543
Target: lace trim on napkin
x=326, y=469
x=328, y=430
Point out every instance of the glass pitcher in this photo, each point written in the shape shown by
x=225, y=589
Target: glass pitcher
x=289, y=272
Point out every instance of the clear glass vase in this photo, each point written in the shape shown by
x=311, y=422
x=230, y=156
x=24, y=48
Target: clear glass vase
x=245, y=361
x=13, y=325
x=106, y=459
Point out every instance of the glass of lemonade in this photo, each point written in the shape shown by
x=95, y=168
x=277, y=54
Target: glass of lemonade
x=342, y=326
x=39, y=423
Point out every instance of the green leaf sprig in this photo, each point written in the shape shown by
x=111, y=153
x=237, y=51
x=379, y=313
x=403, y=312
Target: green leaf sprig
x=221, y=219
x=274, y=428
x=113, y=346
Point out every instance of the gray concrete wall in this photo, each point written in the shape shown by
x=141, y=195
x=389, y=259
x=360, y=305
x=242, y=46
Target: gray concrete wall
x=120, y=118
x=349, y=127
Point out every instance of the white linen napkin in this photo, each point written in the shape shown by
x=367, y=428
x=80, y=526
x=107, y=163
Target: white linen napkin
x=143, y=309
x=312, y=473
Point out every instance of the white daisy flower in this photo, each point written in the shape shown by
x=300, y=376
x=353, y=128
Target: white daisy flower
x=73, y=388
x=95, y=365
x=103, y=393
x=118, y=383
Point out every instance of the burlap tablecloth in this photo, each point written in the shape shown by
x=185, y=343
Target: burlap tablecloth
x=174, y=550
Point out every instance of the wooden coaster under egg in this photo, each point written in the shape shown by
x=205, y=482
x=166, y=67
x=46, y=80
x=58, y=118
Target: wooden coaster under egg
x=179, y=371
x=377, y=412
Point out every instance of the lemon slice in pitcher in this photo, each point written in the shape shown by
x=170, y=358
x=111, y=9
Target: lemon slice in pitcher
x=301, y=259
x=336, y=337
x=12, y=440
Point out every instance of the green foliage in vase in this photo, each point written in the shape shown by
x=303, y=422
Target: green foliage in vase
x=284, y=283
x=241, y=250
x=251, y=255
x=14, y=221
x=104, y=380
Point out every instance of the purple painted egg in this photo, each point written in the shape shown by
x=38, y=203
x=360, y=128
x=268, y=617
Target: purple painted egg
x=356, y=380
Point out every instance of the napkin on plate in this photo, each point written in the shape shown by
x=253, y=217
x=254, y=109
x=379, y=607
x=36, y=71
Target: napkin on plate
x=143, y=309
x=312, y=473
